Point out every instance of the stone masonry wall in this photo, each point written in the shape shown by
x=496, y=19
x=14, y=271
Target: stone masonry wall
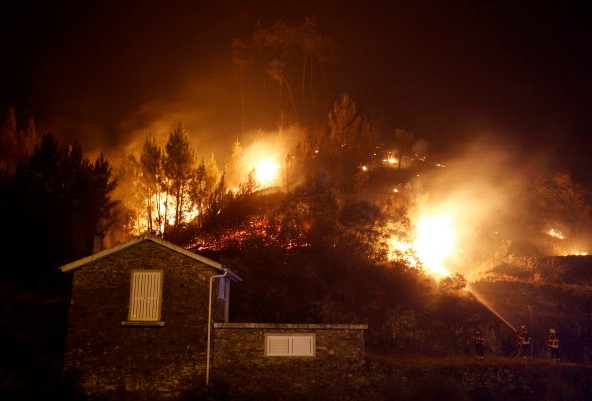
x=139, y=362
x=241, y=367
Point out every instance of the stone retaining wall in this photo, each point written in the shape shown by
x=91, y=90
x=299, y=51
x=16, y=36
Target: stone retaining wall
x=241, y=366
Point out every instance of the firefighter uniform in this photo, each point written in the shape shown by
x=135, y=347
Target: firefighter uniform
x=524, y=340
x=553, y=345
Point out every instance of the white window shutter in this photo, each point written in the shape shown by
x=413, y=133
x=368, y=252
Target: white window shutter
x=145, y=299
x=278, y=345
x=290, y=345
x=302, y=346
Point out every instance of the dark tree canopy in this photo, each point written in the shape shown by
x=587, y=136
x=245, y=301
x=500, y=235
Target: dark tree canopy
x=54, y=203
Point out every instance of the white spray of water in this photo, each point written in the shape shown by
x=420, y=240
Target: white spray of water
x=490, y=308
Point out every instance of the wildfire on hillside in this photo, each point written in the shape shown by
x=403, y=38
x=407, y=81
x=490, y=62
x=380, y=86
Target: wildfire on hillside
x=434, y=241
x=565, y=247
x=255, y=227
x=163, y=213
x=266, y=171
x=553, y=233
x=266, y=156
x=457, y=216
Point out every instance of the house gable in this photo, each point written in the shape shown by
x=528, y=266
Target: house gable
x=135, y=241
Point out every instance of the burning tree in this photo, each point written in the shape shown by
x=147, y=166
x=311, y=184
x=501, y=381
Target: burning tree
x=179, y=162
x=165, y=180
x=235, y=167
x=203, y=185
x=152, y=177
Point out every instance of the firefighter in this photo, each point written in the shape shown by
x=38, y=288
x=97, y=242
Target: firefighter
x=479, y=344
x=553, y=345
x=524, y=340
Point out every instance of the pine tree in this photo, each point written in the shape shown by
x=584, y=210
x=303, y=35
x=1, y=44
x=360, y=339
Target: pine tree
x=178, y=166
x=151, y=168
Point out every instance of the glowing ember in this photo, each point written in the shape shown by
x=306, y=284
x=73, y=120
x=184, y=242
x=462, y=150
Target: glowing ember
x=555, y=234
x=365, y=168
x=254, y=227
x=266, y=171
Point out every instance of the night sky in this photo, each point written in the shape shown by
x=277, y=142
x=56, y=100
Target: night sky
x=105, y=72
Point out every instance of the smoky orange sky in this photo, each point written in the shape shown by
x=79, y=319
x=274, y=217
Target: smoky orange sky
x=106, y=73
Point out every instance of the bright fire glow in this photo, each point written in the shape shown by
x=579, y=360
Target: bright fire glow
x=266, y=171
x=434, y=242
x=403, y=251
x=555, y=234
x=167, y=215
x=269, y=157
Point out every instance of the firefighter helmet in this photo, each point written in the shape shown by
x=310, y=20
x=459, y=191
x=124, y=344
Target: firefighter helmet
x=552, y=331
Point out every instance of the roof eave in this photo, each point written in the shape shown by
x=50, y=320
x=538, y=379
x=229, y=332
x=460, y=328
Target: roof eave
x=118, y=248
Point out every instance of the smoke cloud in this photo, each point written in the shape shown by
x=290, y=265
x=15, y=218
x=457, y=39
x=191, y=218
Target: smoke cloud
x=482, y=187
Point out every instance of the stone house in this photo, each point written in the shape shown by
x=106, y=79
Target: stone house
x=149, y=320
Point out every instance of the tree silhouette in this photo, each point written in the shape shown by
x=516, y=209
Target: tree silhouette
x=217, y=199
x=276, y=51
x=151, y=169
x=16, y=145
x=314, y=46
x=250, y=185
x=57, y=200
x=344, y=123
x=178, y=166
x=202, y=186
x=131, y=192
x=403, y=143
x=236, y=167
